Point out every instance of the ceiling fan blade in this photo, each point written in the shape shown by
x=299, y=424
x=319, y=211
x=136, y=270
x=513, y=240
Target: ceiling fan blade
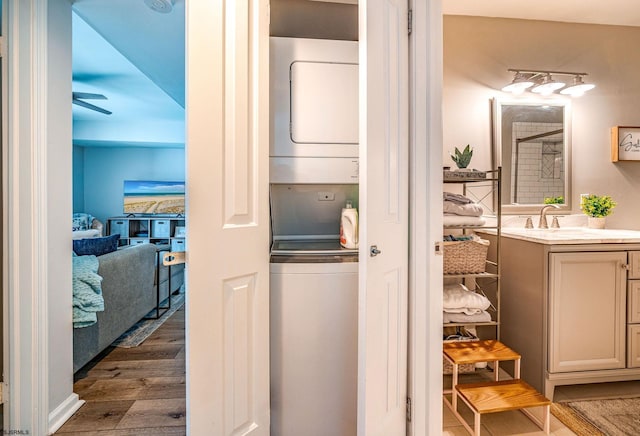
x=88, y=96
x=91, y=106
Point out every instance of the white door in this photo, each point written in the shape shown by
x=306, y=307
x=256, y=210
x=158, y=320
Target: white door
x=382, y=342
x=228, y=217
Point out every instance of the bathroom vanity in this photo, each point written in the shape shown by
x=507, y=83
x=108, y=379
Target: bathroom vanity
x=571, y=304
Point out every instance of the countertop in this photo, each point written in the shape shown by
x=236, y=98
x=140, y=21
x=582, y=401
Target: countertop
x=569, y=235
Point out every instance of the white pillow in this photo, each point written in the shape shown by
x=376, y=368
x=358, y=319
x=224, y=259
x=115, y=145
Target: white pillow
x=85, y=234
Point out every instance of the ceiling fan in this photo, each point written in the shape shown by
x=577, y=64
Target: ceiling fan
x=79, y=97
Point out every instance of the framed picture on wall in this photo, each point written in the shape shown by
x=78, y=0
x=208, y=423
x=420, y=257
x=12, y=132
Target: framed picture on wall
x=625, y=143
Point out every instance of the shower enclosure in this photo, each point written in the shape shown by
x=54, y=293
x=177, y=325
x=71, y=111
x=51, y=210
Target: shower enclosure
x=538, y=166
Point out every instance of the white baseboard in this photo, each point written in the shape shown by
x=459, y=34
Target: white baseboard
x=63, y=412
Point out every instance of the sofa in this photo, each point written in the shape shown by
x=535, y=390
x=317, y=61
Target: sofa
x=129, y=291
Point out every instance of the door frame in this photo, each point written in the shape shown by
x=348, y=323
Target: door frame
x=24, y=173
x=425, y=218
x=25, y=200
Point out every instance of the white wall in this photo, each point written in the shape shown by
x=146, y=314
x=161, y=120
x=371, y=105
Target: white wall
x=478, y=52
x=59, y=209
x=105, y=169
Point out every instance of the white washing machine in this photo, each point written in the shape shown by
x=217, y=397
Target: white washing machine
x=313, y=313
x=314, y=348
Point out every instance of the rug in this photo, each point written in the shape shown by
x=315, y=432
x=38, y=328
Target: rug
x=143, y=328
x=608, y=417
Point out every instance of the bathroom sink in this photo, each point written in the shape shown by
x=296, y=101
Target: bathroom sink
x=561, y=232
x=573, y=235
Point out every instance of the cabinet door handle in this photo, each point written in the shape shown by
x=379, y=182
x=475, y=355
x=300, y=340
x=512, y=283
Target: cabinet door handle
x=626, y=266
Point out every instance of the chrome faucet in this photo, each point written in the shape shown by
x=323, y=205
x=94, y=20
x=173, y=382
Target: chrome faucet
x=542, y=224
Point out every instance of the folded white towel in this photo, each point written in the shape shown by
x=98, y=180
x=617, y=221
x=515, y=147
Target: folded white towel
x=456, y=198
x=482, y=316
x=458, y=299
x=459, y=220
x=471, y=209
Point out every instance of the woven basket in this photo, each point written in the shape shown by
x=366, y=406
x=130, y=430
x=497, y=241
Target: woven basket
x=465, y=257
x=465, y=368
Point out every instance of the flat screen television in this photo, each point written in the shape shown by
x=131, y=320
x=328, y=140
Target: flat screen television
x=153, y=197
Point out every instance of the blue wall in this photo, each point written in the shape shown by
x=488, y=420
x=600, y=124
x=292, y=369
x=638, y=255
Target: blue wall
x=78, y=179
x=102, y=170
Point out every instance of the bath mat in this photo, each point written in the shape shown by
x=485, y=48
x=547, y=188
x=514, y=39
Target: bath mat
x=143, y=328
x=608, y=417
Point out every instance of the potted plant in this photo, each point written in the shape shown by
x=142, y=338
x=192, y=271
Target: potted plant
x=462, y=158
x=554, y=200
x=597, y=207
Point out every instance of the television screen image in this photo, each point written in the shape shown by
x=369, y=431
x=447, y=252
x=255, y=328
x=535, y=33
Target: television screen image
x=153, y=197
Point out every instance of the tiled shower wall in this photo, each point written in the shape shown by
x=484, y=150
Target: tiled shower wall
x=540, y=168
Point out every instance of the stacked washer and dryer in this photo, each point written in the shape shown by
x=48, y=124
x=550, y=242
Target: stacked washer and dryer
x=314, y=281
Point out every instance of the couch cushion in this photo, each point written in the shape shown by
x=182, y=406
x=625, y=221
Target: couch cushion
x=81, y=221
x=96, y=246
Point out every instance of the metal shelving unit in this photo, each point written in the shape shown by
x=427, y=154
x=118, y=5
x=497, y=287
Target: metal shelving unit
x=487, y=192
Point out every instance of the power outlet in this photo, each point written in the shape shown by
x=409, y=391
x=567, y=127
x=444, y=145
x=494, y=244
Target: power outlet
x=326, y=196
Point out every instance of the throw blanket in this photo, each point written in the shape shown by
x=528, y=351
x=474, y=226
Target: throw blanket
x=87, y=291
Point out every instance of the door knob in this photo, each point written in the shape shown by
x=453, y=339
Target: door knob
x=374, y=251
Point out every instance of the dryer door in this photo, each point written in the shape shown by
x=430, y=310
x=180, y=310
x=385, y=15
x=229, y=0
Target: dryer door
x=324, y=103
x=314, y=98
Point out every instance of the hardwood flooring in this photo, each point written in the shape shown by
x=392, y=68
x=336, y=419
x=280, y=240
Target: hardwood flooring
x=134, y=391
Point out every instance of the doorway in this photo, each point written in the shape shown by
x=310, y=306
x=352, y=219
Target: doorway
x=39, y=200
x=128, y=176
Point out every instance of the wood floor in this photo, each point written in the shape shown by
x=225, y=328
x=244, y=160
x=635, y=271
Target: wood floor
x=135, y=391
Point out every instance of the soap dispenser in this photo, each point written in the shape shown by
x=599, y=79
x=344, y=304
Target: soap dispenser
x=349, y=227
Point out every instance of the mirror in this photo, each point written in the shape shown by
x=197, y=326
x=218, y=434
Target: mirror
x=531, y=142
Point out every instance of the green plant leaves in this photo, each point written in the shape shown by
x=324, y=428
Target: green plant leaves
x=462, y=158
x=597, y=206
x=554, y=200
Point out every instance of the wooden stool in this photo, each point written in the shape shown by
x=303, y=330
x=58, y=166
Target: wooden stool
x=496, y=395
x=500, y=396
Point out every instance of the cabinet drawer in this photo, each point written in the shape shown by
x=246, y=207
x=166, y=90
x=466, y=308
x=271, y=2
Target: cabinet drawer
x=634, y=264
x=633, y=346
x=138, y=241
x=633, y=302
x=160, y=228
x=178, y=245
x=120, y=227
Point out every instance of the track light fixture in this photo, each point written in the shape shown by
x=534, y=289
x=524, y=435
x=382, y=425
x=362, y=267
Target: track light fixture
x=519, y=84
x=544, y=83
x=578, y=87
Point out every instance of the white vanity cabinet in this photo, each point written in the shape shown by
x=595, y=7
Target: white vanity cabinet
x=587, y=320
x=571, y=309
x=633, y=311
